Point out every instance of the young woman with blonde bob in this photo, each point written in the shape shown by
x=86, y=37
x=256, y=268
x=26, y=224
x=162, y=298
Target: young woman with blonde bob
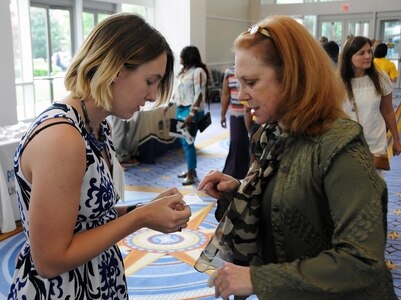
x=309, y=220
x=65, y=167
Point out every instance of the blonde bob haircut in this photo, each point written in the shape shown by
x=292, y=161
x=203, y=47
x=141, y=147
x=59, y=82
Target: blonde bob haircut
x=312, y=95
x=121, y=40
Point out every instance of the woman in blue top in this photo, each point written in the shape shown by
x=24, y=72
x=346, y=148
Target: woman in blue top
x=65, y=166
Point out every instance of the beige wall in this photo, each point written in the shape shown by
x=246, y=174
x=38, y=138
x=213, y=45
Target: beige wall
x=225, y=20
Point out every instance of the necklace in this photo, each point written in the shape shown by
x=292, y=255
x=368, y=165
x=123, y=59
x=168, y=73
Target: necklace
x=98, y=143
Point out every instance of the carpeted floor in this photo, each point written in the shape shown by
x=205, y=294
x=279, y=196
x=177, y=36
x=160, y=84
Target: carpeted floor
x=159, y=266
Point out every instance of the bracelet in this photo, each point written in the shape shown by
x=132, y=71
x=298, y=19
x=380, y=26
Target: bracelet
x=132, y=207
x=195, y=108
x=191, y=114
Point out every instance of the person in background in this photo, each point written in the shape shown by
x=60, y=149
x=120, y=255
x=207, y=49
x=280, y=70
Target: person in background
x=190, y=96
x=323, y=40
x=382, y=63
x=123, y=139
x=332, y=50
x=238, y=153
x=309, y=220
x=252, y=128
x=374, y=43
x=65, y=165
x=369, y=95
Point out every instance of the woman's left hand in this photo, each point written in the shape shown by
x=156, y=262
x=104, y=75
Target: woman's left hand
x=231, y=279
x=396, y=148
x=169, y=192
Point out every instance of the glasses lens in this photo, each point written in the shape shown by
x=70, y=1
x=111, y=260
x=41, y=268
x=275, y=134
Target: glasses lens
x=261, y=30
x=253, y=29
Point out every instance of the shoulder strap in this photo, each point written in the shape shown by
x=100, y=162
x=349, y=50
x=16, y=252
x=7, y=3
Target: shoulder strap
x=41, y=129
x=353, y=102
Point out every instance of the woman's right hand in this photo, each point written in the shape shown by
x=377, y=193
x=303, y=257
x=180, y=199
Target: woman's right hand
x=223, y=122
x=188, y=120
x=215, y=183
x=166, y=214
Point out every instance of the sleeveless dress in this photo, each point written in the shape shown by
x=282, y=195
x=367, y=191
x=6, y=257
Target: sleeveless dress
x=100, y=278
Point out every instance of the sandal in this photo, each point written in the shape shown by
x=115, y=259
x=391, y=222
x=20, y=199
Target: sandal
x=188, y=181
x=132, y=162
x=182, y=175
x=185, y=174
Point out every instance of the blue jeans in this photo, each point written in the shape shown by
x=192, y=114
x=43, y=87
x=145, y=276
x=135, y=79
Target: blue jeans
x=189, y=150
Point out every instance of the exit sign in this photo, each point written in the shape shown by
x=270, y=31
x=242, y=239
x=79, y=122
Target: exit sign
x=345, y=7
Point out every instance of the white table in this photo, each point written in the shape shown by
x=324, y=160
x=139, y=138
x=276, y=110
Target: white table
x=146, y=135
x=9, y=213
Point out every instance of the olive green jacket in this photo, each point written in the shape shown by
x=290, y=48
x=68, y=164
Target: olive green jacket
x=329, y=211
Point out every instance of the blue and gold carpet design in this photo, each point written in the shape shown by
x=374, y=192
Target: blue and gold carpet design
x=160, y=266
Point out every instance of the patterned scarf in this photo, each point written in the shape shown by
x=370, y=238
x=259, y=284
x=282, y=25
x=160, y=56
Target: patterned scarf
x=236, y=237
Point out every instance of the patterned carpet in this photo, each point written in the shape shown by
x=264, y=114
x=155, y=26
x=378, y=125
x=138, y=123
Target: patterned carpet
x=159, y=266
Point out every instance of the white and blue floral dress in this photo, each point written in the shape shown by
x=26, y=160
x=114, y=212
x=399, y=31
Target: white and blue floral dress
x=100, y=278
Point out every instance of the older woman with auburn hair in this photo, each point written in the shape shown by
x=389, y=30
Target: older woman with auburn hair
x=65, y=169
x=309, y=220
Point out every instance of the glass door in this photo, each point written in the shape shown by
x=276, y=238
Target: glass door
x=358, y=28
x=332, y=30
x=339, y=27
x=391, y=33
x=51, y=52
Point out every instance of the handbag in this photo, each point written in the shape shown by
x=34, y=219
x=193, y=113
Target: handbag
x=380, y=161
x=204, y=122
x=178, y=128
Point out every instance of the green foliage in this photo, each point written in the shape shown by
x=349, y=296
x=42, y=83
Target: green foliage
x=38, y=32
x=60, y=32
x=40, y=73
x=88, y=22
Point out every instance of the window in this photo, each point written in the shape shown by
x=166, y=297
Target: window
x=51, y=52
x=289, y=1
x=44, y=44
x=356, y=27
x=135, y=9
x=90, y=19
x=43, y=29
x=309, y=22
x=292, y=1
x=332, y=30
